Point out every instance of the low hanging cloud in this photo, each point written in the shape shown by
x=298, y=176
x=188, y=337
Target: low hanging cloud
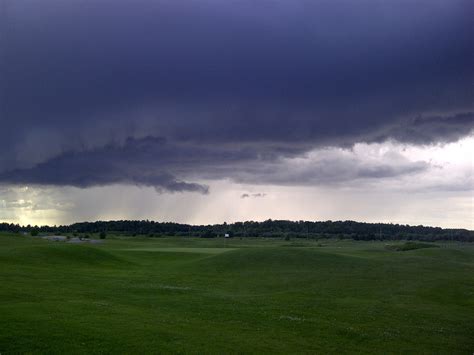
x=155, y=162
x=332, y=167
x=133, y=163
x=253, y=195
x=164, y=94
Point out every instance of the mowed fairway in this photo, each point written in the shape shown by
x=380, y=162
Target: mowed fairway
x=137, y=295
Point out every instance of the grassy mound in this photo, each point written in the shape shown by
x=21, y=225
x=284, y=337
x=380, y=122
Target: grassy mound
x=62, y=254
x=411, y=246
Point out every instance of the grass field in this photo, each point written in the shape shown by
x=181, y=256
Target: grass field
x=137, y=295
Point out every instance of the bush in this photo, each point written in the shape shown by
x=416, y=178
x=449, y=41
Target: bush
x=102, y=235
x=411, y=246
x=208, y=234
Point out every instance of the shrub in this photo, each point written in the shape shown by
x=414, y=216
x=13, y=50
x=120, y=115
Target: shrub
x=411, y=246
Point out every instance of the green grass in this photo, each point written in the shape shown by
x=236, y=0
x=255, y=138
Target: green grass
x=172, y=295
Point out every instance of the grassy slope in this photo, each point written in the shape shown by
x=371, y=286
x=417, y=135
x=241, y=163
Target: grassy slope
x=137, y=295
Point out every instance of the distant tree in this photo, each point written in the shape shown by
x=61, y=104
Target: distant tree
x=208, y=234
x=268, y=229
x=102, y=235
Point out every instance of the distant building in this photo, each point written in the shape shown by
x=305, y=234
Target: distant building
x=227, y=235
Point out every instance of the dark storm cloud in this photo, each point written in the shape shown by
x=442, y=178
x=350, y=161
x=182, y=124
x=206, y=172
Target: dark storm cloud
x=148, y=162
x=155, y=162
x=425, y=130
x=221, y=83
x=143, y=163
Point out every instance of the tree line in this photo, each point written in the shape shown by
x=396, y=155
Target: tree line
x=269, y=228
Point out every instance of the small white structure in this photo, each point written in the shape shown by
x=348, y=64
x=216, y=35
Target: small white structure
x=226, y=235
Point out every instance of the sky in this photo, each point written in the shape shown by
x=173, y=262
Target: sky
x=205, y=111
